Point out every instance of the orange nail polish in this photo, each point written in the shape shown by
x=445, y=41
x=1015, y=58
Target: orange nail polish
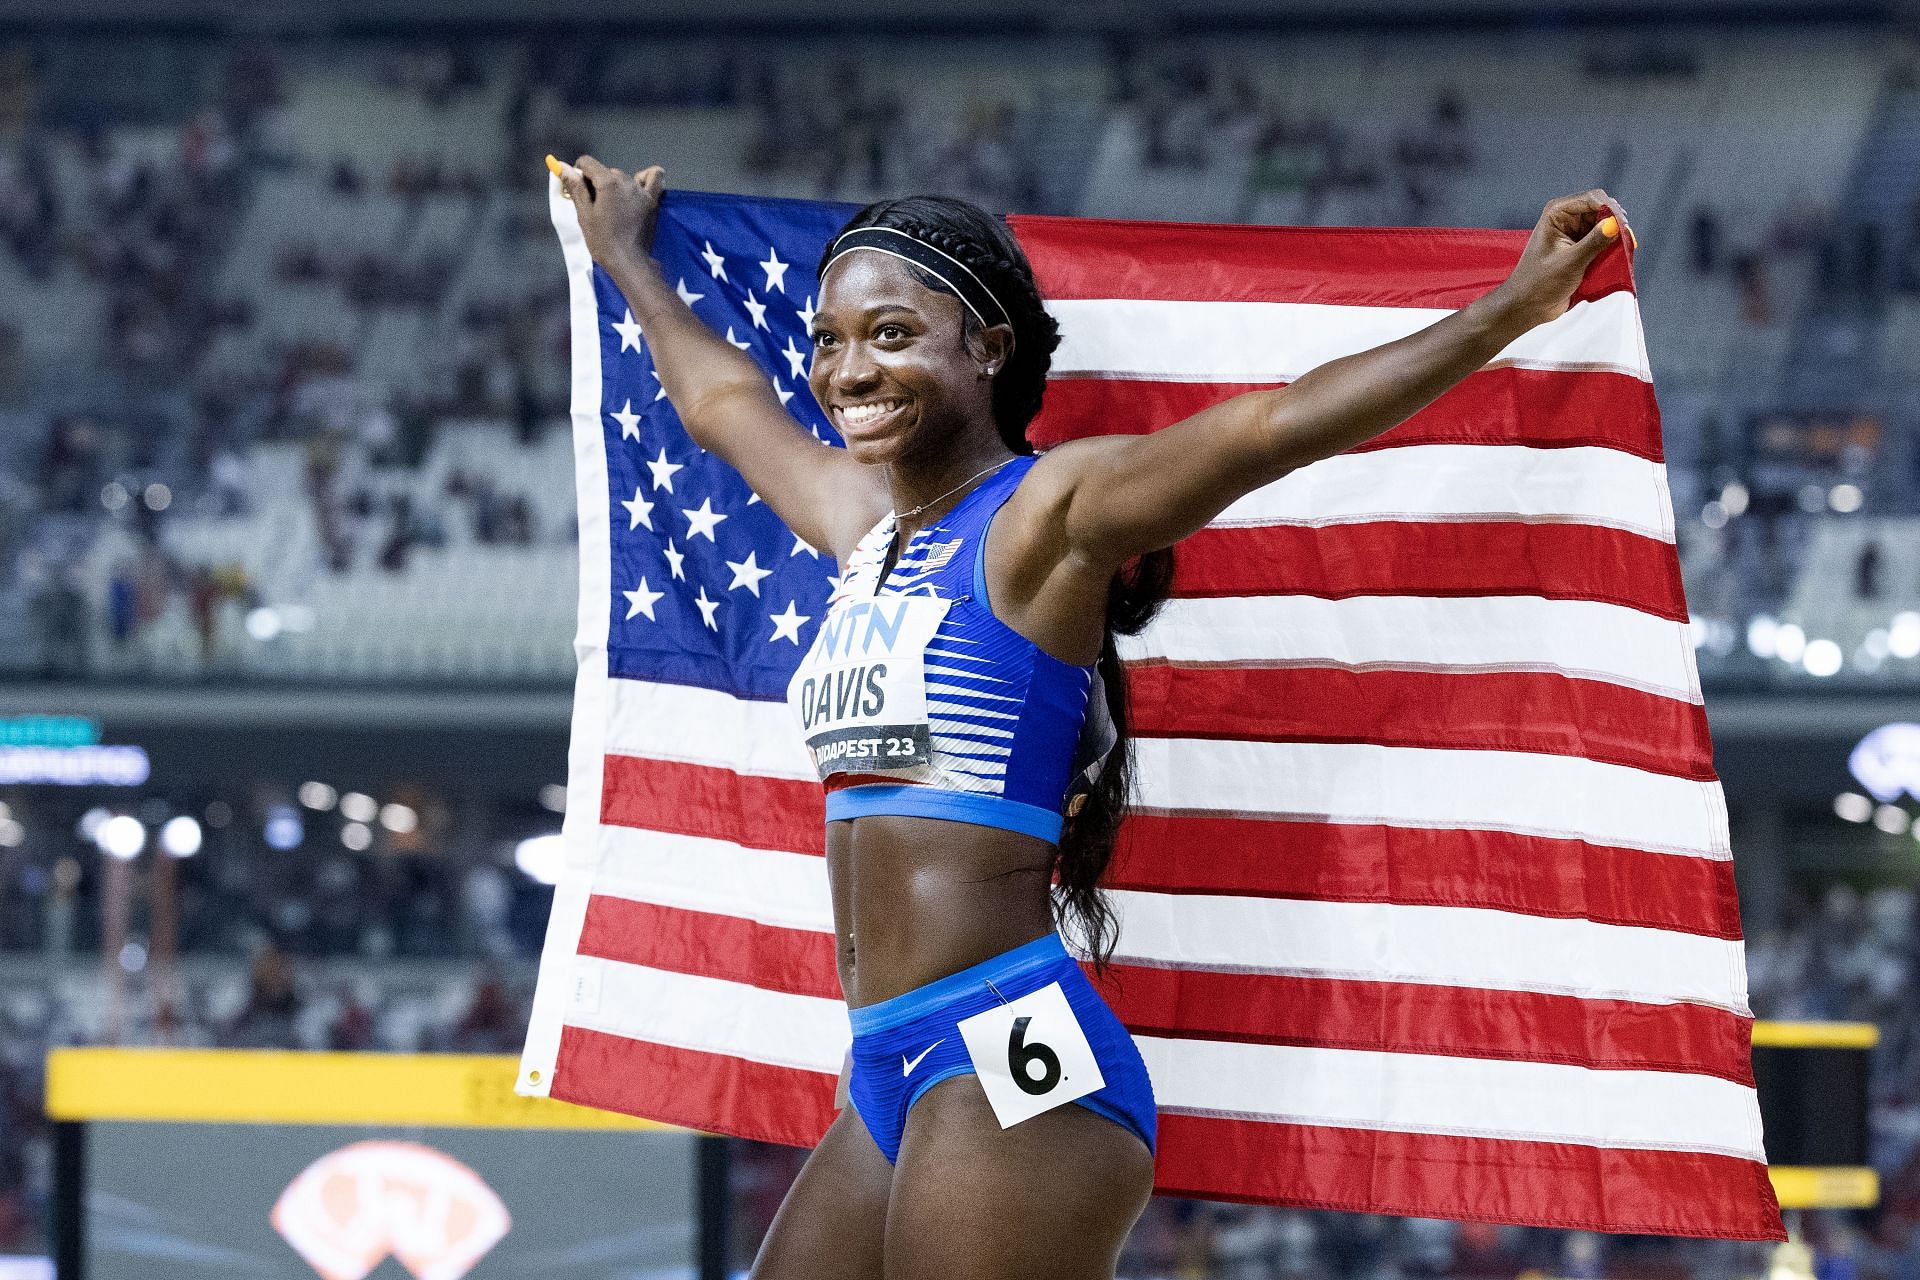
x=555, y=168
x=1609, y=226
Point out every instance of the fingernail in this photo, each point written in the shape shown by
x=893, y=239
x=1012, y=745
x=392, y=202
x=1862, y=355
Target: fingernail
x=555, y=168
x=1609, y=226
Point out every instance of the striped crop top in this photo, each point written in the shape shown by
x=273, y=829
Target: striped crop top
x=915, y=699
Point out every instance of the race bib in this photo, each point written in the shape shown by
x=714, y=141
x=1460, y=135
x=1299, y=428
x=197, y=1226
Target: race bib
x=861, y=693
x=1031, y=1055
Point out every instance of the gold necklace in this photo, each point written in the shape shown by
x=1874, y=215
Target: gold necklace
x=908, y=515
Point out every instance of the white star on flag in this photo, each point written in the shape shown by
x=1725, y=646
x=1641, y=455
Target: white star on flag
x=663, y=470
x=784, y=394
x=629, y=330
x=642, y=600
x=675, y=558
x=629, y=421
x=737, y=343
x=661, y=394
x=776, y=271
x=715, y=263
x=639, y=512
x=687, y=295
x=757, y=309
x=707, y=609
x=786, y=626
x=799, y=545
x=747, y=573
x=807, y=314
x=796, y=358
x=702, y=520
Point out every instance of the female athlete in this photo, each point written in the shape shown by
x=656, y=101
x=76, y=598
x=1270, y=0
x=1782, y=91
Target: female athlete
x=963, y=699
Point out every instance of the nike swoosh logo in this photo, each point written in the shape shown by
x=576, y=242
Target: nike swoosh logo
x=906, y=1067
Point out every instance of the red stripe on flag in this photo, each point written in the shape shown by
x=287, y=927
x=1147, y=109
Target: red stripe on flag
x=1408, y=1017
x=1548, y=1184
x=700, y=800
x=1539, y=711
x=710, y=945
x=698, y=1090
x=1435, y=558
x=1543, y=408
x=1417, y=866
x=1342, y=266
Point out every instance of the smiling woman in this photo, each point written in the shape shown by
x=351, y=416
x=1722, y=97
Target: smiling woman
x=964, y=705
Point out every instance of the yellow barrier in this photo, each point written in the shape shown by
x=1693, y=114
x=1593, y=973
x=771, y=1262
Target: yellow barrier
x=1815, y=1035
x=241, y=1086
x=1808, y=1187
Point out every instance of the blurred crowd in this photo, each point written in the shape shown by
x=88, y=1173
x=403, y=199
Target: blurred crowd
x=186, y=375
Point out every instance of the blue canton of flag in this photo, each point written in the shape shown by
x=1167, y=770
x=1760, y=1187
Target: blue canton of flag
x=709, y=587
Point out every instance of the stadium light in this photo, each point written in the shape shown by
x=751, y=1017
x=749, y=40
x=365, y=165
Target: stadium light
x=180, y=836
x=541, y=858
x=399, y=818
x=122, y=837
x=1790, y=643
x=356, y=836
x=1845, y=497
x=1851, y=806
x=1892, y=819
x=1714, y=515
x=1822, y=658
x=263, y=624
x=358, y=806
x=1903, y=635
x=11, y=833
x=318, y=795
x=1763, y=635
x=1734, y=498
x=283, y=829
x=553, y=798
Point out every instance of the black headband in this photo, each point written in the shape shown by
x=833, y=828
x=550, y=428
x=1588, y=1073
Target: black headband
x=949, y=270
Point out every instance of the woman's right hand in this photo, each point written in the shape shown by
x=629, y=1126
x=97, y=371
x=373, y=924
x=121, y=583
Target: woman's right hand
x=617, y=211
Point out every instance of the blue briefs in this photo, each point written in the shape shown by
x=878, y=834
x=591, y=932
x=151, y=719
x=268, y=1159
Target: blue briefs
x=904, y=1046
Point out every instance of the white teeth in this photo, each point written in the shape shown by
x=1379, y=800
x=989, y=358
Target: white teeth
x=860, y=414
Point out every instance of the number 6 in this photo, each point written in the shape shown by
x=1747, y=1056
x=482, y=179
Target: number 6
x=1020, y=1055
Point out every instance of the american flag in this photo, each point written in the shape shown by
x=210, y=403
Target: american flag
x=1426, y=903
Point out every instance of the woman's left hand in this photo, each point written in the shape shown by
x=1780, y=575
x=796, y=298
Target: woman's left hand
x=1564, y=243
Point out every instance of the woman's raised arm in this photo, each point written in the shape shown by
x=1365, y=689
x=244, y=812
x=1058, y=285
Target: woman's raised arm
x=723, y=398
x=1115, y=497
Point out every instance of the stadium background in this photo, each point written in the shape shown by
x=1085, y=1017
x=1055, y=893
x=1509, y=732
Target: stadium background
x=285, y=474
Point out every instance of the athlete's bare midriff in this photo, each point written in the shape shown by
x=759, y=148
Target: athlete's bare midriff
x=915, y=899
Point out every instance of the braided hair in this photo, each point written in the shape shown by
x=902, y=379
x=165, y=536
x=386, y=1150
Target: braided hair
x=987, y=247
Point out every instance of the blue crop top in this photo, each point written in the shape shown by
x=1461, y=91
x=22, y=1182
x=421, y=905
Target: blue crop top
x=915, y=699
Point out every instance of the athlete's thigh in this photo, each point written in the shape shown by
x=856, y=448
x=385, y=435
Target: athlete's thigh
x=1051, y=1197
x=832, y=1224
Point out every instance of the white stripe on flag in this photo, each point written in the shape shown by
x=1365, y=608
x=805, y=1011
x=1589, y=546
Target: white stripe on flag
x=704, y=726
x=700, y=874
x=1584, y=485
x=1445, y=946
x=1279, y=341
x=711, y=1015
x=1483, y=1097
x=1535, y=794
x=1582, y=638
